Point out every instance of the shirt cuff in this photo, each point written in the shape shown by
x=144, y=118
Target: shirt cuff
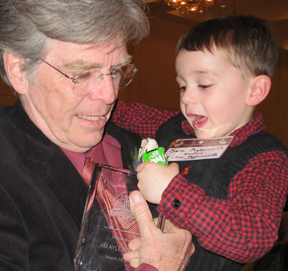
x=177, y=196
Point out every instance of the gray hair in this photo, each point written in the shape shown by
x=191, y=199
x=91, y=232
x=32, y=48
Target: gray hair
x=26, y=26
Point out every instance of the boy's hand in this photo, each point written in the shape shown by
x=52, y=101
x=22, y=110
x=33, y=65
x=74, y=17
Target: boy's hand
x=154, y=178
x=169, y=250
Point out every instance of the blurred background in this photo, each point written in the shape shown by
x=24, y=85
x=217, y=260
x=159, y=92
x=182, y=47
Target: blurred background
x=154, y=57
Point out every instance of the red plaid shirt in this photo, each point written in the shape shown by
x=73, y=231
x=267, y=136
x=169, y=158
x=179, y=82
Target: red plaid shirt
x=243, y=227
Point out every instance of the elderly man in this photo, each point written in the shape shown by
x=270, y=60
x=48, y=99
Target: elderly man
x=66, y=61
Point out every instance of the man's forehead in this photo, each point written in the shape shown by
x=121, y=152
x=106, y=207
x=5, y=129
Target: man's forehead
x=82, y=64
x=85, y=56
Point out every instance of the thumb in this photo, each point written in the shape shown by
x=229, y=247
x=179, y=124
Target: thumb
x=141, y=212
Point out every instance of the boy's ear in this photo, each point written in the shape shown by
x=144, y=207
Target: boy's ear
x=260, y=87
x=13, y=64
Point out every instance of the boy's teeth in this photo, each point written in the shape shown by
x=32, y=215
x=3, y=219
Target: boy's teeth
x=92, y=118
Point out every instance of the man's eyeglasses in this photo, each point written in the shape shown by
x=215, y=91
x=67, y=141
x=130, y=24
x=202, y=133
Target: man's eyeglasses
x=87, y=81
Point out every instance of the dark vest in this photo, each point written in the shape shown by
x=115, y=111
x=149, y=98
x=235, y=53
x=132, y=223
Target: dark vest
x=214, y=176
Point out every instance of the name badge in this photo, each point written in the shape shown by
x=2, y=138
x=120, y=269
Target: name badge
x=185, y=149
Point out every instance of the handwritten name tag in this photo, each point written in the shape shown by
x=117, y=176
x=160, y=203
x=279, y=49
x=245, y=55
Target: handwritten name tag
x=185, y=149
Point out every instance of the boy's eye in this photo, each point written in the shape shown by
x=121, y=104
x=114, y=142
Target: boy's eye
x=182, y=88
x=204, y=86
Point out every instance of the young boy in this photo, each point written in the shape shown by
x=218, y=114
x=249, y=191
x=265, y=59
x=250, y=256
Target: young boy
x=232, y=205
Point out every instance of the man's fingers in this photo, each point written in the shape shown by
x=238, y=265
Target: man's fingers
x=134, y=244
x=186, y=259
x=167, y=251
x=141, y=212
x=130, y=255
x=135, y=262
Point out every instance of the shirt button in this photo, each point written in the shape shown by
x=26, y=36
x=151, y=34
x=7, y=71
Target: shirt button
x=176, y=203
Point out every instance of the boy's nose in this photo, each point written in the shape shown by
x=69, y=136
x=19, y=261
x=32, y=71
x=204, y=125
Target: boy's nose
x=188, y=96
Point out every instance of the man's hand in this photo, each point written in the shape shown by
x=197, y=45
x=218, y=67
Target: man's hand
x=154, y=178
x=167, y=250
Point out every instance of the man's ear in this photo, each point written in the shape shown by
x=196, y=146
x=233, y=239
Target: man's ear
x=260, y=87
x=13, y=66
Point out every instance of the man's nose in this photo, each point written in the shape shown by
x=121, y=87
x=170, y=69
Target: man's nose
x=105, y=90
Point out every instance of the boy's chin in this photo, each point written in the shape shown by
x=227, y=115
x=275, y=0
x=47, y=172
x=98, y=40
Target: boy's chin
x=207, y=134
x=202, y=135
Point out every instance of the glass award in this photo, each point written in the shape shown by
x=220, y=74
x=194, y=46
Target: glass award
x=107, y=224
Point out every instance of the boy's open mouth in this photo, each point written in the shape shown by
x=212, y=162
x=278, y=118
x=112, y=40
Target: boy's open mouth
x=200, y=119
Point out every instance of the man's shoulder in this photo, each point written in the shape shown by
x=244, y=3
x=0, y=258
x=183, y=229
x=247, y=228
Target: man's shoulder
x=6, y=124
x=3, y=112
x=9, y=116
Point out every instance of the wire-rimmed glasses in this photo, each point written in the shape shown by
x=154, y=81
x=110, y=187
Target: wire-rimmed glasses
x=87, y=81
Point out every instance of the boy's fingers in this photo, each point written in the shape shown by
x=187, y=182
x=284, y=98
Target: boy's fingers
x=140, y=167
x=174, y=165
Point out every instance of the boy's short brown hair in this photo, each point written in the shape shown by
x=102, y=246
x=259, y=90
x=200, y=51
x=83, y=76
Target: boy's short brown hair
x=246, y=41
